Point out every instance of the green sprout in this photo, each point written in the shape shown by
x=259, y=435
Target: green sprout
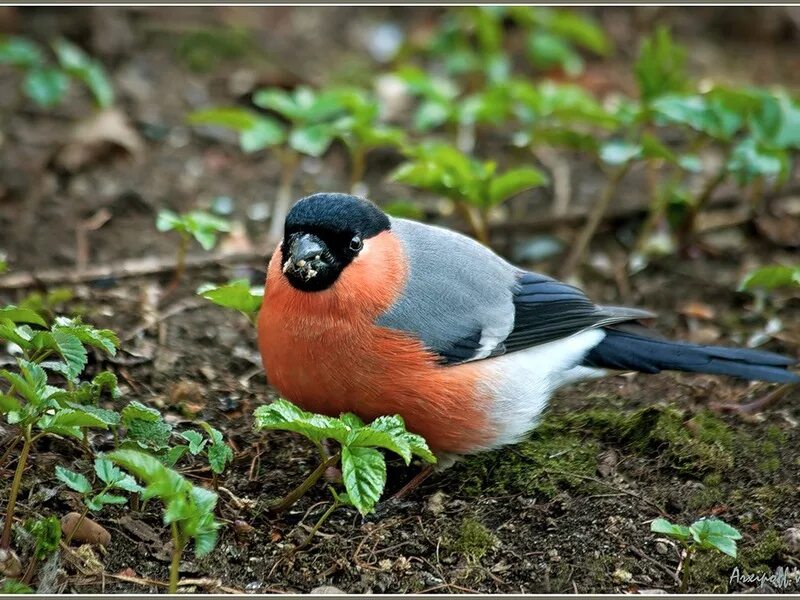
x=110, y=477
x=237, y=295
x=188, y=509
x=213, y=447
x=146, y=429
x=46, y=83
x=361, y=131
x=30, y=403
x=474, y=186
x=703, y=534
x=46, y=533
x=201, y=226
x=363, y=466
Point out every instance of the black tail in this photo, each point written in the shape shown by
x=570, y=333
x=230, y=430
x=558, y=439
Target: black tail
x=631, y=352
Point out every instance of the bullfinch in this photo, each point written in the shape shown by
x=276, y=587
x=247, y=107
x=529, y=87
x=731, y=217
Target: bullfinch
x=378, y=315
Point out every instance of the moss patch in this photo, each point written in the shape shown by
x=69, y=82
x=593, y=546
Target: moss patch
x=473, y=540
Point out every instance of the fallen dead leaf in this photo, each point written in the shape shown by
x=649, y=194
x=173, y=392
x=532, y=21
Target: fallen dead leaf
x=97, y=137
x=697, y=310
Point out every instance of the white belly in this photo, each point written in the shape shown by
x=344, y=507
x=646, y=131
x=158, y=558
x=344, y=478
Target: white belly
x=523, y=381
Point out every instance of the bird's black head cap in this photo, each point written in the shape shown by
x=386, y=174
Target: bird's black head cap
x=323, y=234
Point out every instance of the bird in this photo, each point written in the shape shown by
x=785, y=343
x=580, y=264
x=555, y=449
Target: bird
x=378, y=315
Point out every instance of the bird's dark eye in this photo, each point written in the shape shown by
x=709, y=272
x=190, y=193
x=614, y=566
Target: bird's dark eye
x=356, y=244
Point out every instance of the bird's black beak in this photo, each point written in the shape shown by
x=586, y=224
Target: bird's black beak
x=306, y=256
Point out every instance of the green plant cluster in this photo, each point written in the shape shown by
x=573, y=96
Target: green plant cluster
x=46, y=79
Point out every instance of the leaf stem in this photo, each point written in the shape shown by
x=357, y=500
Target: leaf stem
x=5, y=540
x=336, y=504
x=593, y=221
x=301, y=490
x=77, y=525
x=289, y=161
x=180, y=259
x=357, y=167
x=476, y=221
x=685, y=569
x=178, y=544
x=687, y=228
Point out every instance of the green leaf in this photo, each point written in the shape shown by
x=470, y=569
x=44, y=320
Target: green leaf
x=9, y=404
x=78, y=64
x=237, y=295
x=313, y=140
x=30, y=383
x=102, y=339
x=404, y=210
x=715, y=534
x=772, y=277
x=618, y=152
x=205, y=542
x=701, y=113
x=70, y=417
x=138, y=411
x=204, y=227
x=196, y=441
x=219, y=456
x=102, y=499
x=21, y=315
x=171, y=457
x=280, y=101
x=263, y=134
x=68, y=346
x=106, y=470
x=46, y=86
x=149, y=434
x=661, y=525
x=74, y=480
x=284, y=415
x=161, y=481
x=46, y=534
x=12, y=586
x=750, y=160
x=660, y=66
x=364, y=476
x=108, y=417
x=19, y=52
x=432, y=114
x=547, y=50
x=513, y=182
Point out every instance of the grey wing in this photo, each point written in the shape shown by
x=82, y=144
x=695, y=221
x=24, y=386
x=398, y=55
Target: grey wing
x=466, y=303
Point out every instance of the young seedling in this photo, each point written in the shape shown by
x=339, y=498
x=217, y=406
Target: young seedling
x=46, y=535
x=47, y=84
x=146, y=429
x=237, y=295
x=363, y=465
x=201, y=226
x=474, y=186
x=36, y=408
x=361, y=131
x=771, y=278
x=213, y=447
x=703, y=534
x=188, y=509
x=96, y=497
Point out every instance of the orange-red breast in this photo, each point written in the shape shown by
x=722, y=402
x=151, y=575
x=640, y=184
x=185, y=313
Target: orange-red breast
x=377, y=315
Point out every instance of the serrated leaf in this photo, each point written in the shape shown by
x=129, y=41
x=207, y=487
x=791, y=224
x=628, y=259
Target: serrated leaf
x=205, y=542
x=196, y=441
x=21, y=315
x=70, y=417
x=106, y=470
x=103, y=339
x=46, y=86
x=74, y=481
x=264, y=133
x=128, y=484
x=716, y=534
x=219, y=455
x=171, y=457
x=161, y=481
x=236, y=295
x=135, y=410
x=30, y=382
x=149, y=434
x=109, y=417
x=364, y=476
x=9, y=404
x=660, y=66
x=106, y=498
x=71, y=350
x=284, y=415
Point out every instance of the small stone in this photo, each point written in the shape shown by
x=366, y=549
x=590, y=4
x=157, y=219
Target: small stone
x=661, y=548
x=87, y=532
x=622, y=576
x=326, y=589
x=791, y=539
x=10, y=565
x=436, y=503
